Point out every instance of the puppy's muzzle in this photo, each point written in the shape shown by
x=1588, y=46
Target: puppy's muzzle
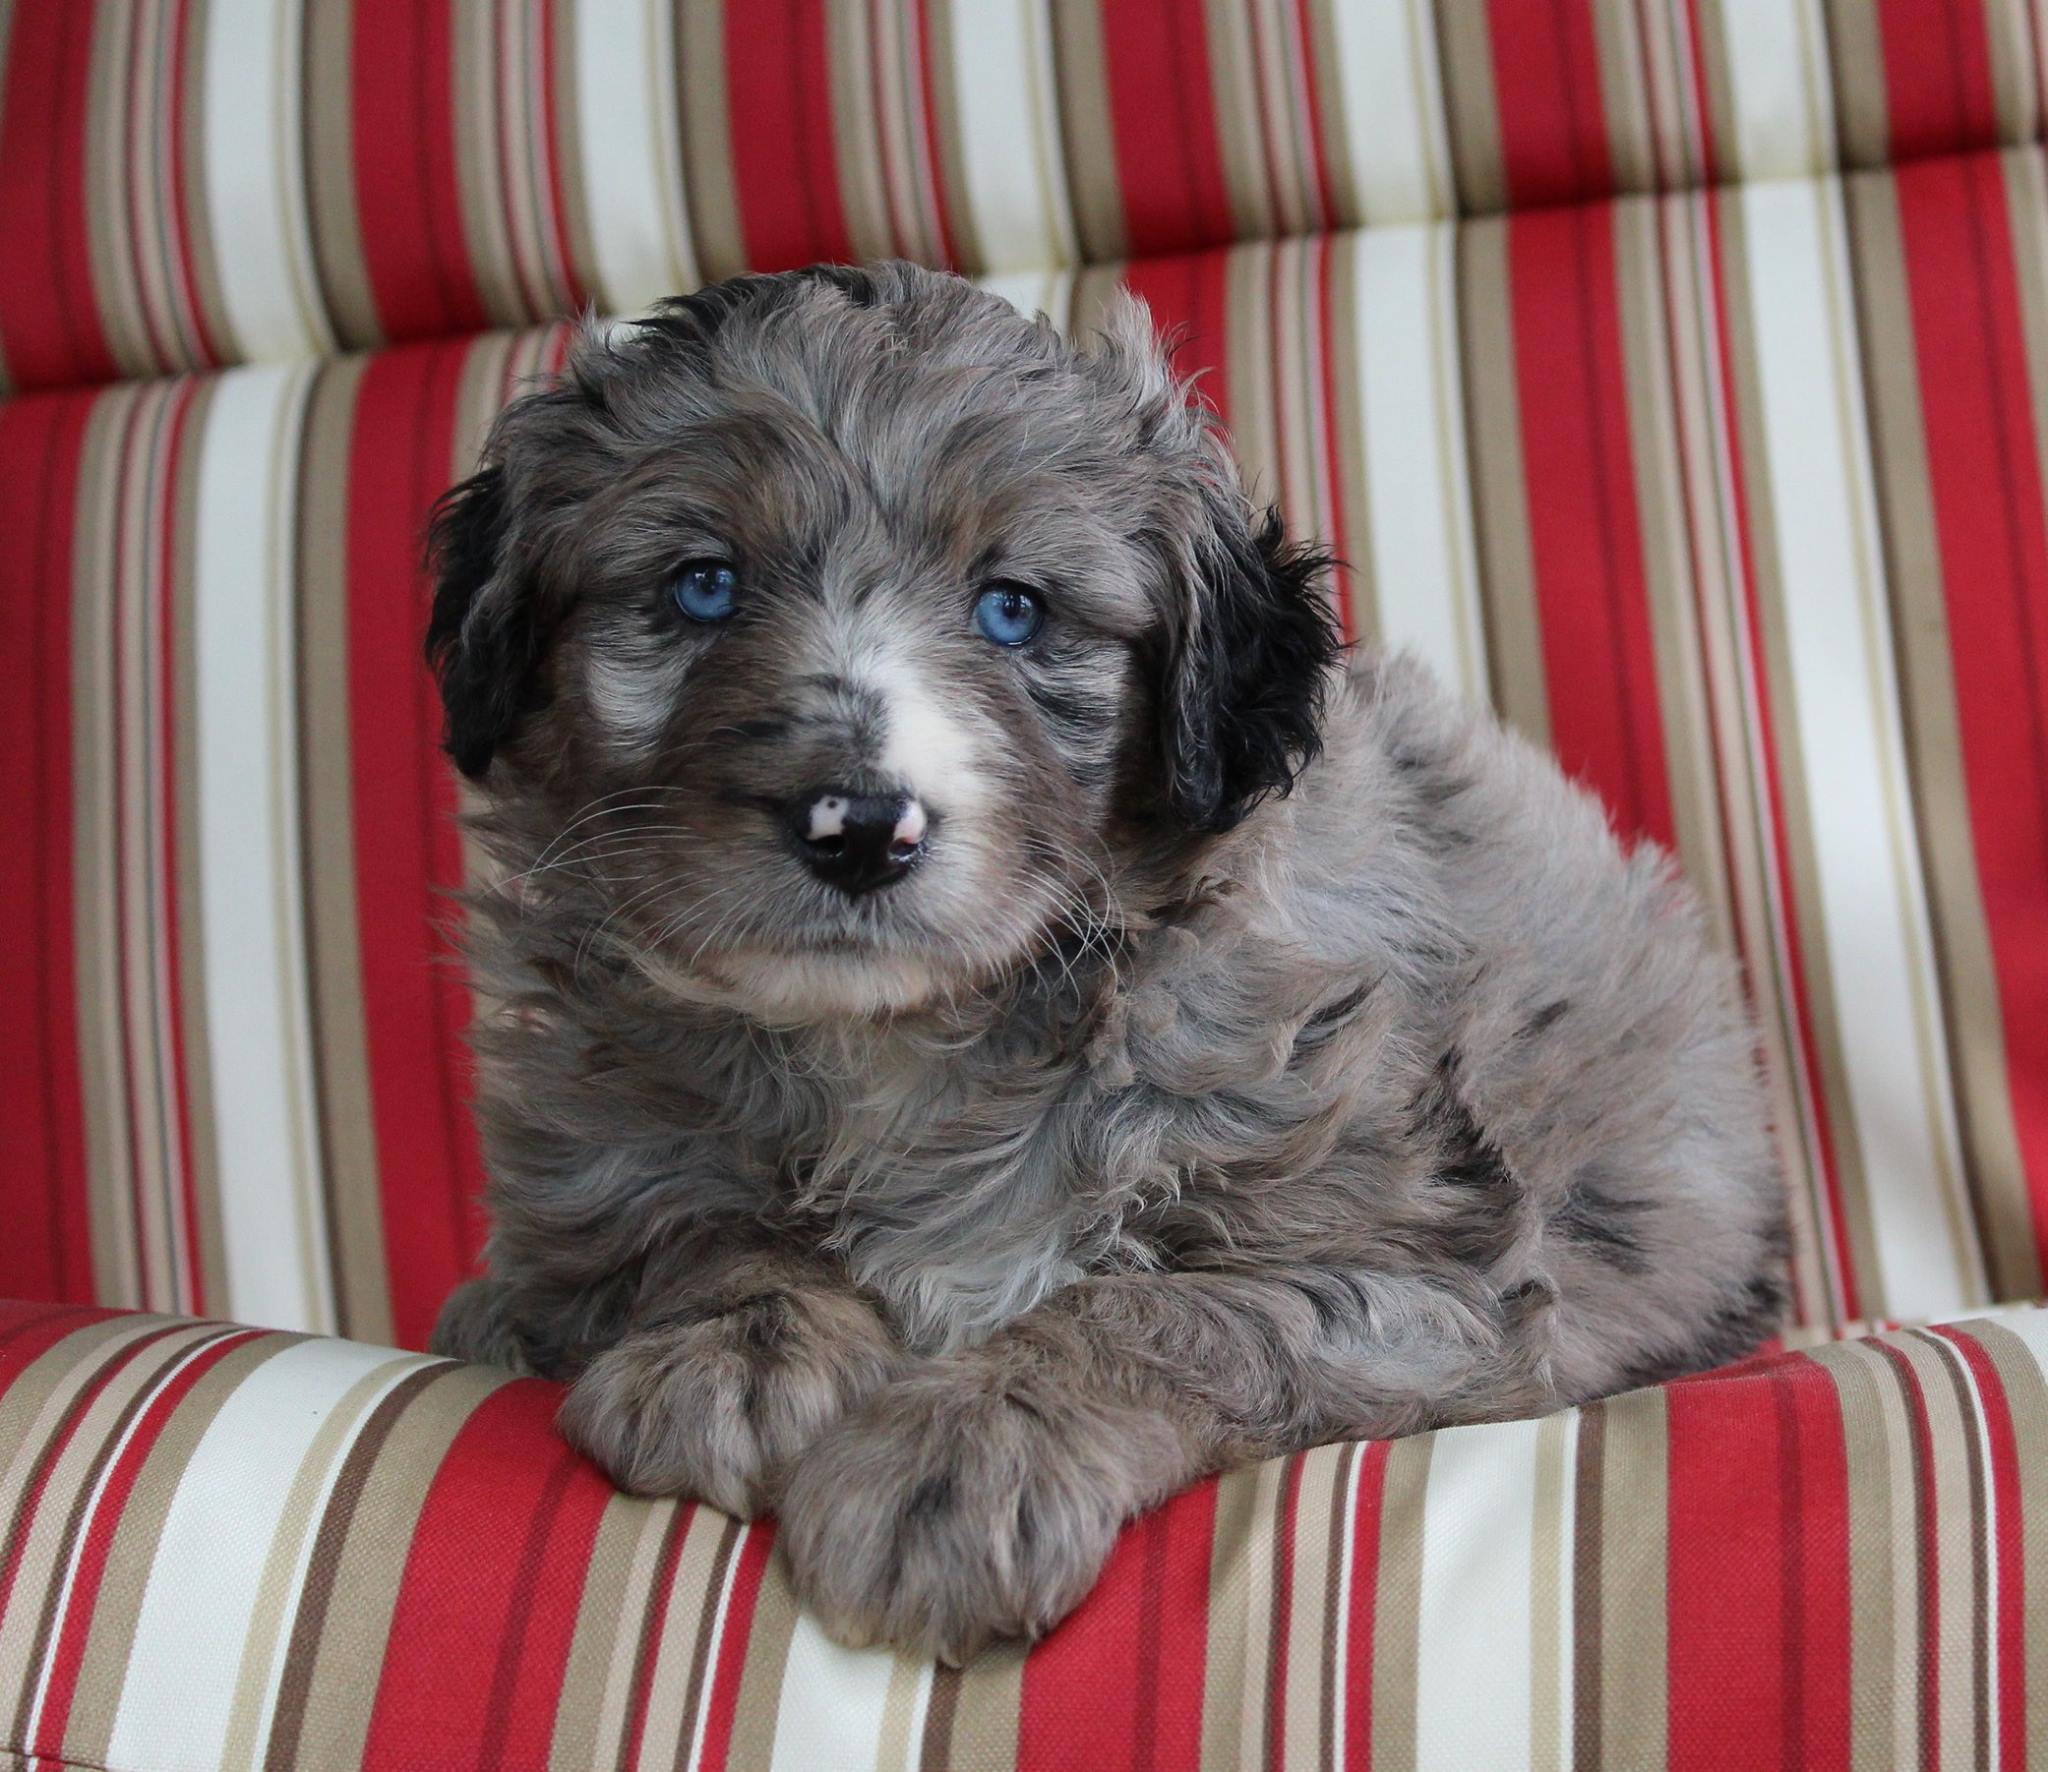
x=858, y=842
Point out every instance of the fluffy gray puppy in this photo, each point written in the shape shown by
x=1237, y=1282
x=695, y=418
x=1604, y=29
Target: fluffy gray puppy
x=938, y=1081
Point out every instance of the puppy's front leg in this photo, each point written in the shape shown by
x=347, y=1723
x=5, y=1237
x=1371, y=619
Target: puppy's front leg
x=978, y=1495
x=731, y=1367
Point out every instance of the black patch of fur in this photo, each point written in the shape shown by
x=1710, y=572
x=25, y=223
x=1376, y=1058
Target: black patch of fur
x=1243, y=710
x=487, y=660
x=1545, y=1017
x=1734, y=1329
x=1598, y=1222
x=1466, y=1163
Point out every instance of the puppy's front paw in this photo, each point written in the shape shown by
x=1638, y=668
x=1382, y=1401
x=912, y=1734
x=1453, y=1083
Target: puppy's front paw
x=714, y=1403
x=957, y=1506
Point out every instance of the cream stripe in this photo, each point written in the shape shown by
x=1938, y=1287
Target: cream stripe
x=1784, y=112
x=1392, y=100
x=1848, y=735
x=833, y=1702
x=206, y=1583
x=255, y=181
x=1550, y=1593
x=1049, y=292
x=1473, y=1684
x=1416, y=486
x=632, y=172
x=258, y=1014
x=1009, y=135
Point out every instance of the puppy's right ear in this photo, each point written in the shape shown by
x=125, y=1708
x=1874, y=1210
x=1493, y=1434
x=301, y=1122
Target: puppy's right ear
x=482, y=639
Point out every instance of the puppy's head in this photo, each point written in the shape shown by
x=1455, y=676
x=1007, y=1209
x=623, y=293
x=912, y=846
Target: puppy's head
x=844, y=628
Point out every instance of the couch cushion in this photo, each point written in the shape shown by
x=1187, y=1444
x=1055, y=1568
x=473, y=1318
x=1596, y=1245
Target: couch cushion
x=223, y=1547
x=185, y=186
x=1734, y=500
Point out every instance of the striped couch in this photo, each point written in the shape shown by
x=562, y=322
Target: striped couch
x=1672, y=372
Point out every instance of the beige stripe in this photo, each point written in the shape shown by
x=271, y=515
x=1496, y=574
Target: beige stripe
x=118, y=1605
x=1782, y=702
x=481, y=126
x=340, y=1055
x=1967, y=972
x=342, y=270
x=1235, y=111
x=760, y=1693
x=1081, y=77
x=1856, y=55
x=349, y=1653
x=1655, y=441
x=190, y=124
x=117, y=1277
x=1625, y=99
x=683, y=1637
x=117, y=279
x=1471, y=113
x=948, y=125
x=985, y=1712
x=1397, y=1605
x=191, y=948
x=1247, y=348
x=1240, y=1562
x=903, y=1704
x=1550, y=1612
x=1634, y=1582
x=590, y=1716
x=712, y=197
x=856, y=130
x=2026, y=1397
x=1357, y=586
x=1514, y=646
x=1312, y=1576
x=2016, y=98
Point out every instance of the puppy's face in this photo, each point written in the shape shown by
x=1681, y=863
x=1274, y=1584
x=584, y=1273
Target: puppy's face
x=843, y=631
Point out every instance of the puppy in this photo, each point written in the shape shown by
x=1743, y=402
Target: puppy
x=988, y=1024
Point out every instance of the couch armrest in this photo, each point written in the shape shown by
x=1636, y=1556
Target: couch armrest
x=224, y=1546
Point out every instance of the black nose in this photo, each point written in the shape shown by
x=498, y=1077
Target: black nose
x=858, y=842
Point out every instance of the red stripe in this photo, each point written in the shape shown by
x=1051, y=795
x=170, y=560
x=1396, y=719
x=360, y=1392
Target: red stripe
x=1939, y=93
x=2008, y=1550
x=1546, y=84
x=1189, y=295
x=722, y=1704
x=402, y=108
x=47, y=1252
x=480, y=1631
x=408, y=851
x=1357, y=1672
x=1133, y=1658
x=1169, y=161
x=67, y=1653
x=50, y=328
x=1585, y=528
x=785, y=161
x=1757, y=1607
x=29, y=1331
x=1987, y=485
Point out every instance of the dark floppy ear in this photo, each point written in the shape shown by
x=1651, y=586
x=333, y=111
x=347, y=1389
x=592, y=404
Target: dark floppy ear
x=1244, y=694
x=483, y=639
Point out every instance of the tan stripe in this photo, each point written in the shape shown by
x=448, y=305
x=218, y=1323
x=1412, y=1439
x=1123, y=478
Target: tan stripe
x=1552, y=1644
x=1794, y=790
x=327, y=95
x=1625, y=100
x=1712, y=507
x=986, y=1712
x=684, y=1637
x=1665, y=75
x=949, y=125
x=1312, y=1579
x=112, y=249
x=1397, y=1605
x=340, y=1055
x=1471, y=112
x=1358, y=584
x=1082, y=80
x=1633, y=1525
x=1250, y=324
x=935, y=1749
x=1655, y=441
x=1588, y=1551
x=117, y=1275
x=708, y=187
x=1337, y=1619
x=856, y=130
x=760, y=1695
x=486, y=127
x=337, y=1665
x=191, y=127
x=900, y=1705
x=1715, y=72
x=1856, y=55
x=1235, y=111
x=590, y=1714
x=2026, y=1398
x=1514, y=645
x=1240, y=1569
x=309, y=1620
x=2015, y=97
x=1967, y=972
x=44, y=1539
x=118, y=1606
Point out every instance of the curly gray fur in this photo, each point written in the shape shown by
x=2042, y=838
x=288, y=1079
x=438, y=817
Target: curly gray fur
x=1263, y=1053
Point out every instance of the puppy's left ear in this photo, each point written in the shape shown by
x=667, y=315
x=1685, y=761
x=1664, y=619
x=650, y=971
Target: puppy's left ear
x=483, y=641
x=1243, y=705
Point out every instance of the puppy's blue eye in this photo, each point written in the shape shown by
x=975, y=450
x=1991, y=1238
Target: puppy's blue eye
x=1008, y=614
x=705, y=590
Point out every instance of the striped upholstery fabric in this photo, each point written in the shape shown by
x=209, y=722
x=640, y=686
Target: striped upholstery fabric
x=192, y=183
x=1672, y=373
x=226, y=1548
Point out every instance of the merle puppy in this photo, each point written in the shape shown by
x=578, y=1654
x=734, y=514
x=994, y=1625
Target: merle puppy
x=987, y=1022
